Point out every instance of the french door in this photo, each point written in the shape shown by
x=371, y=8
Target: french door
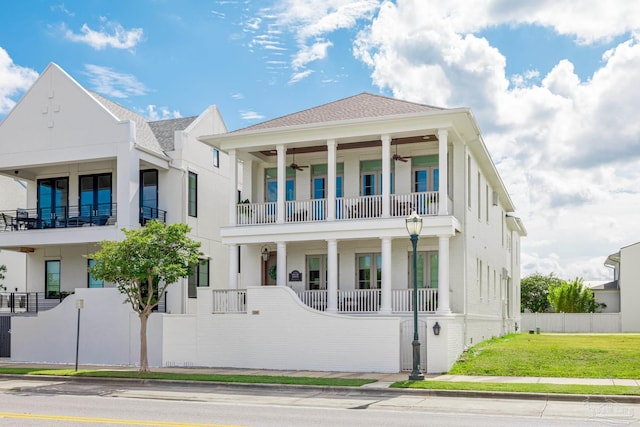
x=53, y=200
x=95, y=195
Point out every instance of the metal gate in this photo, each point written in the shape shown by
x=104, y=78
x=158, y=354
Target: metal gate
x=406, y=349
x=5, y=336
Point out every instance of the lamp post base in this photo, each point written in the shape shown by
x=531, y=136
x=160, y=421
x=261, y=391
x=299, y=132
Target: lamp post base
x=416, y=375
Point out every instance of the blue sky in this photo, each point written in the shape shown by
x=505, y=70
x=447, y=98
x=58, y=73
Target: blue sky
x=552, y=84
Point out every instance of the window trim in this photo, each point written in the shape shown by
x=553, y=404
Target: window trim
x=193, y=282
x=46, y=278
x=90, y=263
x=192, y=203
x=216, y=158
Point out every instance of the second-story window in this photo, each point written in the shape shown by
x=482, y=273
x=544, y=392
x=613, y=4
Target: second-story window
x=216, y=158
x=193, y=194
x=271, y=184
x=426, y=175
x=371, y=177
x=319, y=181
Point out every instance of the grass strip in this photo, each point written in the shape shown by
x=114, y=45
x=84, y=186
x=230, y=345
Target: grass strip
x=554, y=355
x=179, y=376
x=522, y=387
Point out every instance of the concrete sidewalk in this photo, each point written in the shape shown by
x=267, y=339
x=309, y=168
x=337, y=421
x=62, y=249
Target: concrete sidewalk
x=382, y=380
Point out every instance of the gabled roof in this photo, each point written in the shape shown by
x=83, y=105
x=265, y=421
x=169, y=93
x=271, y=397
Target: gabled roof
x=157, y=135
x=361, y=106
x=164, y=130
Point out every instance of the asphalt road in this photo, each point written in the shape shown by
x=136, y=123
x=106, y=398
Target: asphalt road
x=108, y=403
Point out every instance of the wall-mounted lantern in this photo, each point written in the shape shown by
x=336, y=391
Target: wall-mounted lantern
x=265, y=254
x=436, y=329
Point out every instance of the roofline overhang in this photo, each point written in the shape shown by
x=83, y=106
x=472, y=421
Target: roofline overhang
x=340, y=129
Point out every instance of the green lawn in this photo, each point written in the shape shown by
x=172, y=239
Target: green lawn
x=554, y=355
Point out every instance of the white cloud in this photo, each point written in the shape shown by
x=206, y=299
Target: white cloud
x=113, y=84
x=153, y=112
x=568, y=149
x=110, y=34
x=250, y=115
x=296, y=77
x=310, y=53
x=14, y=80
x=237, y=95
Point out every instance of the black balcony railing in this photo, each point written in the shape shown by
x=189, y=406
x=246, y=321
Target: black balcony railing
x=58, y=217
x=147, y=214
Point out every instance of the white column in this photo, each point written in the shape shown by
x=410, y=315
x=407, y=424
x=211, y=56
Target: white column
x=386, y=174
x=331, y=179
x=282, y=184
x=233, y=266
x=233, y=187
x=332, y=279
x=443, y=275
x=443, y=173
x=385, y=303
x=281, y=266
x=128, y=184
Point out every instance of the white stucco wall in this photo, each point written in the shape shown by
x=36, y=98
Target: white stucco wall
x=278, y=332
x=109, y=332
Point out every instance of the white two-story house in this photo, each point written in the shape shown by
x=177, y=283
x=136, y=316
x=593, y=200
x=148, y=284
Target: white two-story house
x=324, y=197
x=92, y=167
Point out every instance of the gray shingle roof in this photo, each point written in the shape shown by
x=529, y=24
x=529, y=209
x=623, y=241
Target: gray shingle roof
x=154, y=135
x=361, y=106
x=144, y=135
x=164, y=130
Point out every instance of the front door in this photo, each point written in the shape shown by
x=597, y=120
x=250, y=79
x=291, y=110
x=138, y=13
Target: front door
x=269, y=271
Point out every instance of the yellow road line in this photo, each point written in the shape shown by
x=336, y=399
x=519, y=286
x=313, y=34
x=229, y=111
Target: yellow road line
x=106, y=420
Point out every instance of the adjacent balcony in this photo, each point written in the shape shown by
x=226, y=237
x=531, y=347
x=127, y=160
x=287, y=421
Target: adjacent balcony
x=362, y=207
x=70, y=217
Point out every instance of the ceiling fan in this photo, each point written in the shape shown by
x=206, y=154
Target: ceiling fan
x=397, y=157
x=296, y=166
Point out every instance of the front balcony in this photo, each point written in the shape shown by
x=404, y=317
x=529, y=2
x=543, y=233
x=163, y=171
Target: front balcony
x=362, y=207
x=70, y=217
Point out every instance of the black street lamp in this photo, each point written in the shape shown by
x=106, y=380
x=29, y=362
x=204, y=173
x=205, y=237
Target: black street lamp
x=414, y=226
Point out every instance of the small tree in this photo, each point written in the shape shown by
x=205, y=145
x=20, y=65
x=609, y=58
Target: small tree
x=572, y=297
x=3, y=269
x=143, y=265
x=534, y=290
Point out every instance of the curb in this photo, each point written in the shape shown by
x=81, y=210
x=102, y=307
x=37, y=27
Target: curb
x=370, y=390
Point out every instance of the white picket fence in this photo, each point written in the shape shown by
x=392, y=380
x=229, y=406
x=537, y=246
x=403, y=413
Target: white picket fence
x=571, y=322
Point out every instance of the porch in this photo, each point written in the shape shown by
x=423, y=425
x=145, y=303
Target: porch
x=359, y=301
x=361, y=207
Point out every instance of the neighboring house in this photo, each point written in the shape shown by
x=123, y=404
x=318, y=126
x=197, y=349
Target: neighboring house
x=92, y=167
x=623, y=291
x=322, y=211
x=607, y=293
x=13, y=193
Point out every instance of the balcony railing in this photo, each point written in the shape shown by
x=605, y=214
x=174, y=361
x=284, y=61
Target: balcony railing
x=314, y=210
x=70, y=217
x=369, y=300
x=351, y=301
x=229, y=301
x=58, y=217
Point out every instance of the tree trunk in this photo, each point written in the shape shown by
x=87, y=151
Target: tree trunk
x=144, y=362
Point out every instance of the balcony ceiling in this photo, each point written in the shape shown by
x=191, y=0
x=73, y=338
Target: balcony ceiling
x=351, y=145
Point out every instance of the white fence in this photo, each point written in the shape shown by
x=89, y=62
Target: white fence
x=571, y=322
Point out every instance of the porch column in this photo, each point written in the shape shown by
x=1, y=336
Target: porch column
x=443, y=198
x=282, y=184
x=233, y=266
x=385, y=303
x=281, y=266
x=443, y=275
x=386, y=174
x=233, y=187
x=331, y=178
x=128, y=186
x=332, y=279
